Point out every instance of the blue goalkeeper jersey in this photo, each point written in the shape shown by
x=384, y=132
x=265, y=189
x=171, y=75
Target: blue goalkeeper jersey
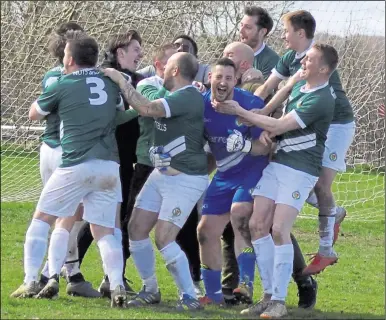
x=218, y=126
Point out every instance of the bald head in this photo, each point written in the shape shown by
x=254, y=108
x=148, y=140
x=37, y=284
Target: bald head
x=241, y=54
x=181, y=68
x=186, y=63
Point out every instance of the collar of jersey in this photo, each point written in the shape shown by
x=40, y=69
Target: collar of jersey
x=83, y=69
x=261, y=49
x=189, y=85
x=304, y=90
x=161, y=81
x=302, y=54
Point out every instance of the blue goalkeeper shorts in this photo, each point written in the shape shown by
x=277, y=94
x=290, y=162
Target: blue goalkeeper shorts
x=223, y=190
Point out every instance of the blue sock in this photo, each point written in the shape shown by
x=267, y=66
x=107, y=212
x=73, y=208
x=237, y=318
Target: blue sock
x=246, y=261
x=212, y=283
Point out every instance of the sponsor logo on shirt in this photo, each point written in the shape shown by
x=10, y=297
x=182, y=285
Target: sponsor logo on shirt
x=160, y=126
x=217, y=139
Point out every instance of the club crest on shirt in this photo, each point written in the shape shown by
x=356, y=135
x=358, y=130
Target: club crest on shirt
x=238, y=123
x=176, y=212
x=333, y=156
x=296, y=195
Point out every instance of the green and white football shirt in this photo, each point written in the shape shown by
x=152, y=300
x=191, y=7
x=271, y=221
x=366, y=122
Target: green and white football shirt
x=181, y=132
x=86, y=102
x=289, y=64
x=151, y=88
x=302, y=149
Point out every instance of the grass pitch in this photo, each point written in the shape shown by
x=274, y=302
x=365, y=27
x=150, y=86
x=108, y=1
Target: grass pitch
x=352, y=289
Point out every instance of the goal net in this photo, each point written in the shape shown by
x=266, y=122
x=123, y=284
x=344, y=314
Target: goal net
x=355, y=29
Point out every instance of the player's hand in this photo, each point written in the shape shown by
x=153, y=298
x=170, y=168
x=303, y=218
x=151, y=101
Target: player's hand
x=159, y=159
x=381, y=111
x=298, y=76
x=114, y=75
x=200, y=86
x=266, y=138
x=228, y=106
x=252, y=74
x=236, y=142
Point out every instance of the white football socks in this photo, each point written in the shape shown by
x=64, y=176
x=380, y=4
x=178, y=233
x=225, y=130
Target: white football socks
x=178, y=265
x=282, y=271
x=265, y=252
x=112, y=258
x=144, y=259
x=57, y=250
x=72, y=260
x=326, y=229
x=35, y=247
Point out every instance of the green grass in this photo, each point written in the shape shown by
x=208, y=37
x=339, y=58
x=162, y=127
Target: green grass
x=352, y=289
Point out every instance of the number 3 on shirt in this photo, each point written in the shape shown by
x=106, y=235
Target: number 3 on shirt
x=97, y=90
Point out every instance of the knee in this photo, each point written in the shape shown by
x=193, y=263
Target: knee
x=202, y=234
x=279, y=234
x=322, y=188
x=161, y=240
x=207, y=233
x=47, y=218
x=241, y=225
x=133, y=228
x=65, y=223
x=258, y=226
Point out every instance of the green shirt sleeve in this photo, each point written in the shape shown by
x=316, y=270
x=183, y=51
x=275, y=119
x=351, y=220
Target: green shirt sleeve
x=152, y=92
x=282, y=67
x=125, y=116
x=175, y=103
x=48, y=100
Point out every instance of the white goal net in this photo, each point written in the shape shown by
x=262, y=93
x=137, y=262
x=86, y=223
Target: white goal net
x=355, y=28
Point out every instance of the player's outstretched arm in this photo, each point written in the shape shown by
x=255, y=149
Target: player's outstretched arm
x=267, y=88
x=144, y=107
x=275, y=126
x=282, y=94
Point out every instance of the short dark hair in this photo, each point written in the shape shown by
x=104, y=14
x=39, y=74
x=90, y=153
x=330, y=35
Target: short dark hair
x=225, y=62
x=188, y=66
x=120, y=40
x=264, y=20
x=160, y=51
x=186, y=37
x=84, y=49
x=57, y=40
x=67, y=26
x=329, y=55
x=301, y=19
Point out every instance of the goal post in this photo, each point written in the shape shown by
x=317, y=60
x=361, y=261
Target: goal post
x=355, y=29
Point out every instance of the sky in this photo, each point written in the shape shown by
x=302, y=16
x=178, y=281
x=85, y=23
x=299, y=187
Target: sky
x=367, y=17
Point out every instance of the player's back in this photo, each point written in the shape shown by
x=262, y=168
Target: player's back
x=218, y=126
x=87, y=103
